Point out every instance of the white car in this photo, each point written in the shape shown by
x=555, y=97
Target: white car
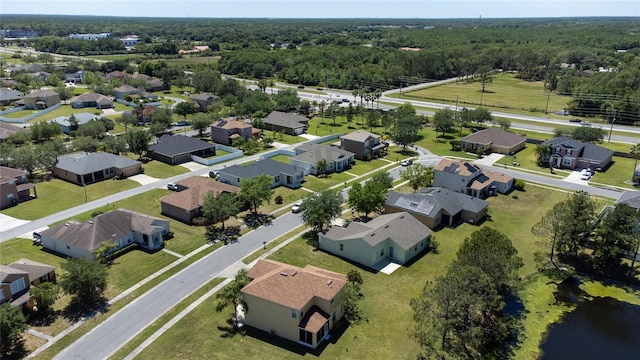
x=296, y=207
x=406, y=162
x=172, y=186
x=585, y=176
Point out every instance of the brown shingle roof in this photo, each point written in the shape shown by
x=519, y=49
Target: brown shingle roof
x=291, y=286
x=494, y=136
x=35, y=269
x=197, y=189
x=459, y=167
x=230, y=124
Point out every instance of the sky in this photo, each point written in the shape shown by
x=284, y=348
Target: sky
x=406, y=9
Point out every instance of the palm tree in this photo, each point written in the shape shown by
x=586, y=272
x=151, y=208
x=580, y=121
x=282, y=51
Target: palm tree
x=232, y=294
x=377, y=94
x=321, y=165
x=635, y=154
x=355, y=93
x=543, y=152
x=105, y=250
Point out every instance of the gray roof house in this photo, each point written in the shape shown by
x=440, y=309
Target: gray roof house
x=203, y=100
x=7, y=96
x=631, y=198
x=308, y=155
x=495, y=140
x=65, y=123
x=123, y=227
x=280, y=173
x=7, y=130
x=292, y=124
x=124, y=90
x=91, y=99
x=178, y=149
x=398, y=237
x=568, y=153
x=87, y=168
x=435, y=206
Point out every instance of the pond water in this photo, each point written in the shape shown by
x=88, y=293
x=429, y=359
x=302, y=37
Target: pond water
x=598, y=328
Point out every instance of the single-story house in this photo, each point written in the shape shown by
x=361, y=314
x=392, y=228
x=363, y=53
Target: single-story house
x=467, y=178
x=7, y=96
x=435, y=206
x=280, y=173
x=203, y=100
x=224, y=131
x=40, y=75
x=398, y=237
x=177, y=149
x=495, y=140
x=65, y=121
x=124, y=90
x=15, y=187
x=7, y=130
x=567, y=153
x=41, y=99
x=292, y=124
x=91, y=99
x=186, y=203
x=308, y=155
x=130, y=40
x=14, y=288
x=298, y=304
x=115, y=75
x=631, y=198
x=86, y=168
x=80, y=240
x=38, y=272
x=363, y=144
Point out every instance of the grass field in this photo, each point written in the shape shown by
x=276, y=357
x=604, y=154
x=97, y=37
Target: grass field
x=201, y=334
x=505, y=92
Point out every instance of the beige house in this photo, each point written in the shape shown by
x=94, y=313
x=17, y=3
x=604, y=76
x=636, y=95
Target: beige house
x=15, y=187
x=298, y=304
x=186, y=204
x=398, y=237
x=41, y=99
x=493, y=140
x=87, y=168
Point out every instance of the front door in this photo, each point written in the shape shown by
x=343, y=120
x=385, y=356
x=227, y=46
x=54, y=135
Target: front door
x=391, y=252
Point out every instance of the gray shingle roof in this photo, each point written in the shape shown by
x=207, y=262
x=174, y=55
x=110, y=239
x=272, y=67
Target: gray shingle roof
x=86, y=163
x=631, y=198
x=7, y=94
x=288, y=120
x=402, y=228
x=89, y=97
x=359, y=135
x=41, y=93
x=587, y=151
x=172, y=145
x=429, y=201
x=314, y=152
x=35, y=269
x=81, y=118
x=495, y=136
x=266, y=166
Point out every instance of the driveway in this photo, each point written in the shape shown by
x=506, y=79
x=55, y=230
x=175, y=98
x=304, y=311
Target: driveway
x=489, y=159
x=574, y=177
x=143, y=179
x=309, y=136
x=7, y=222
x=193, y=166
x=278, y=145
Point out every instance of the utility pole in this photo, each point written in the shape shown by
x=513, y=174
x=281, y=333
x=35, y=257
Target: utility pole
x=546, y=108
x=612, y=122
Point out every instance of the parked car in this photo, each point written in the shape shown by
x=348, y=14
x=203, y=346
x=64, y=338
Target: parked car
x=300, y=86
x=182, y=123
x=345, y=100
x=296, y=207
x=575, y=120
x=172, y=186
x=406, y=162
x=214, y=174
x=585, y=176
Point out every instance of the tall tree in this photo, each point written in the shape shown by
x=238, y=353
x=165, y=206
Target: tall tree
x=138, y=141
x=635, y=155
x=542, y=154
x=219, y=207
x=616, y=236
x=552, y=227
x=485, y=73
x=444, y=120
x=321, y=208
x=417, y=175
x=186, y=108
x=406, y=126
x=368, y=198
x=201, y=122
x=232, y=294
x=256, y=190
x=85, y=280
x=25, y=158
x=45, y=295
x=12, y=325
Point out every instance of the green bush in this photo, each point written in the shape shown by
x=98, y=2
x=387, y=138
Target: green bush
x=519, y=184
x=278, y=200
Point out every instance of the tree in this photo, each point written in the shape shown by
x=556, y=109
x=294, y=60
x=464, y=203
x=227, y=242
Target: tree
x=12, y=324
x=616, y=236
x=138, y=141
x=367, y=198
x=115, y=144
x=321, y=208
x=384, y=179
x=127, y=120
x=85, y=143
x=45, y=295
x=85, y=280
x=256, y=190
x=321, y=167
x=64, y=92
x=93, y=128
x=505, y=124
x=232, y=294
x=444, y=120
x=201, y=122
x=485, y=74
x=44, y=131
x=103, y=253
x=406, y=126
x=543, y=152
x=286, y=99
x=588, y=134
x=635, y=155
x=417, y=175
x=217, y=208
x=551, y=227
x=25, y=158
x=186, y=108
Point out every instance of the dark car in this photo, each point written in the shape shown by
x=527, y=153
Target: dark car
x=182, y=123
x=300, y=86
x=575, y=120
x=319, y=89
x=214, y=174
x=345, y=100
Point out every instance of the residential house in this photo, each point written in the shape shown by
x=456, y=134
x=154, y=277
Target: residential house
x=363, y=144
x=292, y=124
x=186, y=203
x=308, y=155
x=398, y=237
x=224, y=131
x=196, y=49
x=130, y=40
x=7, y=96
x=14, y=288
x=41, y=99
x=298, y=304
x=15, y=187
x=7, y=130
x=38, y=272
x=115, y=75
x=76, y=77
x=66, y=124
x=91, y=99
x=631, y=198
x=567, y=153
x=435, y=206
x=40, y=75
x=124, y=90
x=80, y=240
x=468, y=178
x=203, y=100
x=493, y=140
x=153, y=84
x=280, y=173
x=177, y=149
x=87, y=168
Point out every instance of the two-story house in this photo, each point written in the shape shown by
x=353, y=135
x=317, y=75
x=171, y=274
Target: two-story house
x=15, y=187
x=41, y=99
x=363, y=144
x=567, y=153
x=468, y=178
x=297, y=304
x=14, y=287
x=203, y=100
x=224, y=131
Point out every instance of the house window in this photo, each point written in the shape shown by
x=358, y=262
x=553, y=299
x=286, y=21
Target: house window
x=341, y=247
x=382, y=252
x=566, y=161
x=17, y=286
x=569, y=151
x=301, y=313
x=1, y=294
x=306, y=336
x=333, y=316
x=294, y=313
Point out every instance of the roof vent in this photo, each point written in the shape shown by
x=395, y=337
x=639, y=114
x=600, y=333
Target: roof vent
x=329, y=282
x=90, y=221
x=373, y=234
x=387, y=226
x=66, y=224
x=402, y=217
x=284, y=273
x=294, y=273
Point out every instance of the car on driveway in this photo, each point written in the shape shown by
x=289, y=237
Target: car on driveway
x=172, y=186
x=297, y=207
x=406, y=162
x=585, y=175
x=214, y=174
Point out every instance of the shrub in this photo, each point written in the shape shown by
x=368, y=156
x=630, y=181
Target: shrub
x=278, y=199
x=96, y=213
x=519, y=184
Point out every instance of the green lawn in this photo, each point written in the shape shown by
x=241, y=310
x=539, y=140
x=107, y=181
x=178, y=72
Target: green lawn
x=57, y=195
x=362, y=167
x=506, y=91
x=64, y=110
x=132, y=267
x=160, y=170
x=438, y=145
x=386, y=302
x=321, y=183
x=281, y=158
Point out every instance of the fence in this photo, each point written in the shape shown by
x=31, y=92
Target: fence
x=233, y=154
x=27, y=118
